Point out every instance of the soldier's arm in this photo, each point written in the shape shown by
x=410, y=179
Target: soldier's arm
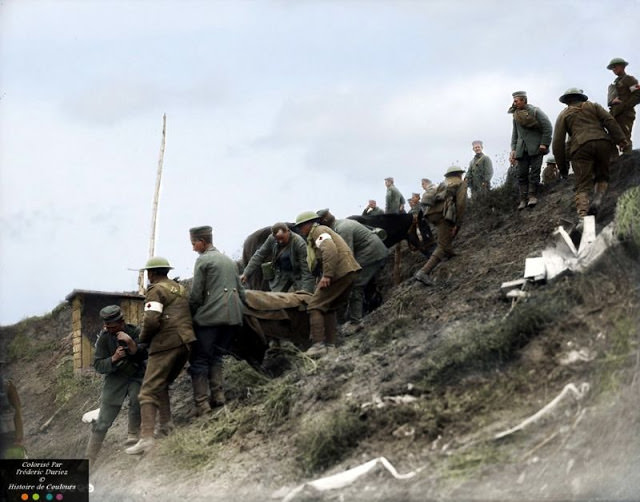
x=260, y=256
x=547, y=129
x=610, y=123
x=102, y=362
x=324, y=243
x=488, y=169
x=154, y=304
x=558, y=145
x=198, y=286
x=461, y=203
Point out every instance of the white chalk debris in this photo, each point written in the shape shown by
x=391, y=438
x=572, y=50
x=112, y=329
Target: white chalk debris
x=345, y=478
x=563, y=257
x=570, y=390
x=91, y=416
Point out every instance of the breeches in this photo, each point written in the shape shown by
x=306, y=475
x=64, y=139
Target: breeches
x=591, y=164
x=529, y=167
x=334, y=296
x=109, y=410
x=211, y=344
x=444, y=249
x=162, y=369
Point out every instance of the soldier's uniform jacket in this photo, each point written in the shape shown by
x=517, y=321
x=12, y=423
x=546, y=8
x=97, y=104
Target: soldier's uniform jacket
x=167, y=320
x=449, y=201
x=394, y=200
x=217, y=295
x=480, y=172
x=118, y=375
x=531, y=128
x=620, y=88
x=584, y=121
x=366, y=246
x=326, y=248
x=289, y=261
x=371, y=211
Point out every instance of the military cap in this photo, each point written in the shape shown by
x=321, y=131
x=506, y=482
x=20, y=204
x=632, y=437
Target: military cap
x=453, y=170
x=111, y=313
x=415, y=194
x=551, y=159
x=476, y=142
x=156, y=262
x=200, y=232
x=616, y=61
x=305, y=217
x=519, y=94
x=573, y=91
x=390, y=178
x=322, y=212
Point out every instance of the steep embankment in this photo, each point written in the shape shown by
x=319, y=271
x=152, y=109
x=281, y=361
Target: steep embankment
x=429, y=381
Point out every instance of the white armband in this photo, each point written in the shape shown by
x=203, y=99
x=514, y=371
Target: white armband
x=321, y=238
x=154, y=306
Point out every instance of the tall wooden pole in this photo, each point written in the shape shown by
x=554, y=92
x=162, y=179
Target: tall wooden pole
x=156, y=196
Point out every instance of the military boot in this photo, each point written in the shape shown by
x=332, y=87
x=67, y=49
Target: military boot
x=148, y=413
x=582, y=203
x=599, y=190
x=165, y=424
x=422, y=275
x=533, y=200
x=330, y=328
x=93, y=447
x=317, y=334
x=200, y=394
x=216, y=386
x=524, y=197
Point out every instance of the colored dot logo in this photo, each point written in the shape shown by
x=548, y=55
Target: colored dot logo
x=35, y=496
x=24, y=496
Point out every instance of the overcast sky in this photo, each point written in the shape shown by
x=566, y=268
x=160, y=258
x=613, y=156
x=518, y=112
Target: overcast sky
x=273, y=108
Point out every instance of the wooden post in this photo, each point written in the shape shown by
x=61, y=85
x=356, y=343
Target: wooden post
x=156, y=196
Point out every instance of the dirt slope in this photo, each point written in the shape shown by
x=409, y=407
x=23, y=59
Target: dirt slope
x=427, y=383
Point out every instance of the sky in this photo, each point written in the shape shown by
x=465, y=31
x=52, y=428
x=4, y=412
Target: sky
x=273, y=108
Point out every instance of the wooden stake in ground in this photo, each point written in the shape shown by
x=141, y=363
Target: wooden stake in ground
x=154, y=210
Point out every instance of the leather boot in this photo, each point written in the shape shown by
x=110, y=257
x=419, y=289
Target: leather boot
x=582, y=204
x=330, y=328
x=216, y=386
x=524, y=197
x=599, y=190
x=165, y=424
x=93, y=447
x=148, y=413
x=200, y=394
x=533, y=200
x=422, y=275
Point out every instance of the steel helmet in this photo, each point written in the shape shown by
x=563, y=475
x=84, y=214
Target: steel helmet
x=306, y=216
x=454, y=170
x=551, y=159
x=616, y=61
x=156, y=262
x=573, y=91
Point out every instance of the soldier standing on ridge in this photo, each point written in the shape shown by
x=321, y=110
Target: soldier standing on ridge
x=216, y=305
x=394, y=201
x=445, y=209
x=623, y=96
x=122, y=362
x=480, y=171
x=168, y=333
x=372, y=209
x=591, y=129
x=328, y=253
x=530, y=140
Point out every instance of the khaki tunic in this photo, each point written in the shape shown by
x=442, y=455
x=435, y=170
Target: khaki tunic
x=452, y=191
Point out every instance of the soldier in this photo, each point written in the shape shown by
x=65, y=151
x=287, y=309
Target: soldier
x=550, y=172
x=623, y=96
x=414, y=203
x=368, y=250
x=167, y=331
x=394, y=202
x=372, y=209
x=122, y=362
x=480, y=171
x=429, y=189
x=445, y=210
x=216, y=301
x=329, y=257
x=591, y=129
x=11, y=426
x=530, y=139
x=287, y=252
